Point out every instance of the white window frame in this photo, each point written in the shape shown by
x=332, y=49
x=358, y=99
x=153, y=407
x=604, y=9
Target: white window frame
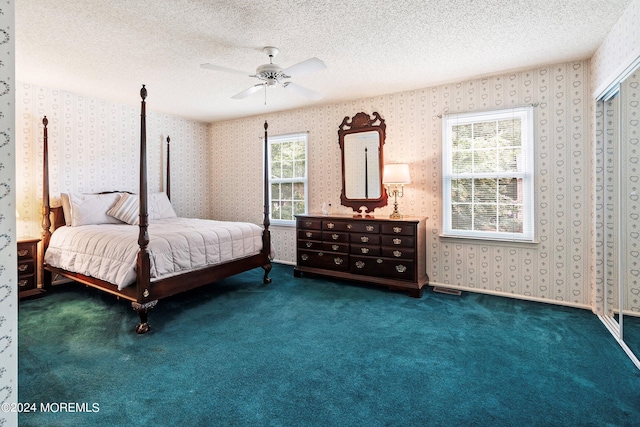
x=526, y=173
x=278, y=139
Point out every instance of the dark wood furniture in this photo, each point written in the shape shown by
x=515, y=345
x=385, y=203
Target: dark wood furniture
x=379, y=251
x=28, y=268
x=361, y=140
x=144, y=294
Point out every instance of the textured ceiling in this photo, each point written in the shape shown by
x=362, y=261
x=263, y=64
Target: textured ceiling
x=107, y=49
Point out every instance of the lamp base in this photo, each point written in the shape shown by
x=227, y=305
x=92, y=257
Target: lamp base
x=395, y=214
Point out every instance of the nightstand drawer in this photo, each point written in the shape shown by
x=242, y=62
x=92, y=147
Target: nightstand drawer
x=27, y=251
x=26, y=267
x=26, y=283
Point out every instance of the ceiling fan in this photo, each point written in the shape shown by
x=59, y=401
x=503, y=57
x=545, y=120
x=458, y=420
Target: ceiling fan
x=272, y=75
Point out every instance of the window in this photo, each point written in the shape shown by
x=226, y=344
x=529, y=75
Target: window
x=288, y=177
x=488, y=174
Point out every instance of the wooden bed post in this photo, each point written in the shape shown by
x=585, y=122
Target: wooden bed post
x=143, y=264
x=46, y=207
x=168, y=190
x=266, y=234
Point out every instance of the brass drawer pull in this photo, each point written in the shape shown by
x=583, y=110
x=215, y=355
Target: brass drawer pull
x=308, y=223
x=397, y=229
x=359, y=264
x=335, y=247
x=22, y=283
x=397, y=241
x=349, y=226
x=338, y=261
x=369, y=227
x=331, y=226
x=309, y=244
x=308, y=234
x=304, y=257
x=335, y=236
x=401, y=268
x=364, y=239
x=397, y=254
x=23, y=252
x=23, y=267
x=364, y=250
x=379, y=261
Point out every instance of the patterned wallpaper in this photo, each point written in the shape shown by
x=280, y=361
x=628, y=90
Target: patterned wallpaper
x=630, y=134
x=556, y=269
x=620, y=47
x=94, y=146
x=8, y=263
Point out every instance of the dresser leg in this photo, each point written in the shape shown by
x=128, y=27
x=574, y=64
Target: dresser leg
x=415, y=293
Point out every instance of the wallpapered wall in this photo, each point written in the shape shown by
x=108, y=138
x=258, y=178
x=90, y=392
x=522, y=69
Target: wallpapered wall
x=620, y=47
x=94, y=146
x=555, y=269
x=8, y=264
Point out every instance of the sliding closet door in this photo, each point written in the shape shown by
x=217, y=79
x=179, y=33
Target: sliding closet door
x=607, y=212
x=630, y=210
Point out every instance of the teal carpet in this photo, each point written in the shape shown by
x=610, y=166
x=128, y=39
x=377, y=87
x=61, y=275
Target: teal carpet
x=316, y=352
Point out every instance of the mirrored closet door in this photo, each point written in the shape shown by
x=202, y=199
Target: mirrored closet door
x=618, y=211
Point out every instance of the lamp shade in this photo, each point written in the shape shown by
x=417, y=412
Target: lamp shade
x=396, y=173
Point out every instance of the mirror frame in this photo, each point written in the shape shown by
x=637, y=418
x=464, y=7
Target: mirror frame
x=362, y=122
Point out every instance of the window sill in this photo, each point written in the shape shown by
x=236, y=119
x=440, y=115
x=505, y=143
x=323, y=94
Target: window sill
x=488, y=241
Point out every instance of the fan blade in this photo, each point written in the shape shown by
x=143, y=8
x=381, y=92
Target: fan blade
x=225, y=69
x=308, y=93
x=248, y=92
x=308, y=66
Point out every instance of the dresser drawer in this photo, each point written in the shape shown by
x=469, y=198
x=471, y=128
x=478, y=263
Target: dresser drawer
x=310, y=244
x=335, y=237
x=369, y=250
x=359, y=227
x=402, y=229
x=309, y=235
x=329, y=225
x=309, y=224
x=369, y=239
x=398, y=241
x=382, y=267
x=321, y=259
x=335, y=247
x=398, y=252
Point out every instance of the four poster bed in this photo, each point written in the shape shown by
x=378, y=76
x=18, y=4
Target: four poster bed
x=111, y=244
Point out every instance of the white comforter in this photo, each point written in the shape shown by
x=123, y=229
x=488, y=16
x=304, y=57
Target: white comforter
x=108, y=251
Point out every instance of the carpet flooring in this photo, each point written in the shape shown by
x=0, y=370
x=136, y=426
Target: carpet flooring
x=317, y=352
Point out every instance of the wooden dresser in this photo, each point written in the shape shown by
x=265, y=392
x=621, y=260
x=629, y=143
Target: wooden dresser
x=379, y=251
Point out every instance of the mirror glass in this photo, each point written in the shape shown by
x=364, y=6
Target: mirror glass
x=630, y=207
x=362, y=175
x=617, y=209
x=361, y=140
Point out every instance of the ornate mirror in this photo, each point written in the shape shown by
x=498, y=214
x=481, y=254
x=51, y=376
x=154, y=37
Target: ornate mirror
x=361, y=141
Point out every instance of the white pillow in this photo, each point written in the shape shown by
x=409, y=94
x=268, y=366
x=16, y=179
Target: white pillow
x=160, y=206
x=127, y=208
x=66, y=207
x=92, y=208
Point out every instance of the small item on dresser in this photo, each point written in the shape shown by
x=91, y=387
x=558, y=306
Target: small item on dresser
x=325, y=210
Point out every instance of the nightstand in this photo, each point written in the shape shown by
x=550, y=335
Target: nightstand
x=28, y=268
